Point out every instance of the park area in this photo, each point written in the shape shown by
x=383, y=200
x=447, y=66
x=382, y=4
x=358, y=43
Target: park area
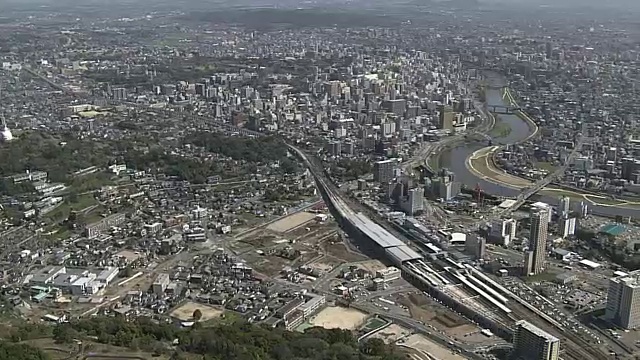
x=339, y=318
x=185, y=312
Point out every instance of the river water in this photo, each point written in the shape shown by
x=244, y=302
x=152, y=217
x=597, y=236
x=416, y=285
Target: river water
x=455, y=158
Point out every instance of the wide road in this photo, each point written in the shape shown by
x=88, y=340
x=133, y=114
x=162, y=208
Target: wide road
x=520, y=130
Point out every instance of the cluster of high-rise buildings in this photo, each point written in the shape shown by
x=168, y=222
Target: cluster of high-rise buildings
x=444, y=186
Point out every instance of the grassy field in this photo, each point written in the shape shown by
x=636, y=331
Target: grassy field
x=373, y=323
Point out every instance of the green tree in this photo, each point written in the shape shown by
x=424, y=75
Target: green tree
x=374, y=346
x=64, y=334
x=197, y=315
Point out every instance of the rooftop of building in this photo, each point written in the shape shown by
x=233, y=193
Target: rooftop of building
x=536, y=330
x=631, y=279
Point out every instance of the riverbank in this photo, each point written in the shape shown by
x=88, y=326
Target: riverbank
x=506, y=95
x=480, y=164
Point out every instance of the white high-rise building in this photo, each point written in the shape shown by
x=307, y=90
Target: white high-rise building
x=623, y=300
x=584, y=209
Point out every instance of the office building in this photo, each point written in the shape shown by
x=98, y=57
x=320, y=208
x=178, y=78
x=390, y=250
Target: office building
x=445, y=187
x=201, y=89
x=383, y=171
x=340, y=132
x=413, y=202
x=348, y=148
x=539, y=219
x=503, y=231
x=475, y=246
x=445, y=120
x=532, y=343
x=388, y=129
x=396, y=106
x=623, y=300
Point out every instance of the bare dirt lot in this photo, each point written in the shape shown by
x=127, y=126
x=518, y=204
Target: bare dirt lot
x=339, y=251
x=372, y=266
x=291, y=222
x=339, y=318
x=322, y=266
x=424, y=309
x=185, y=311
x=392, y=333
x=424, y=345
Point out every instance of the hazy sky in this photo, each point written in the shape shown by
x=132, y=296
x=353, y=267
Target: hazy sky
x=580, y=5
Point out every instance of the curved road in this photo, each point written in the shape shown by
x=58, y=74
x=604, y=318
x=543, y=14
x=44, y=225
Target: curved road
x=455, y=159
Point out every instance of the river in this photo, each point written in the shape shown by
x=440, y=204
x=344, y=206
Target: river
x=455, y=158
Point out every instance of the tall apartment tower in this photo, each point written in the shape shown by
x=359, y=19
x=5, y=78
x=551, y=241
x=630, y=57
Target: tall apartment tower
x=532, y=343
x=623, y=300
x=538, y=238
